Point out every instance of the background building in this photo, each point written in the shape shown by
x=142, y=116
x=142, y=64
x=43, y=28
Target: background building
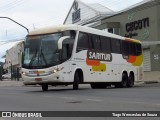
x=13, y=57
x=82, y=14
x=141, y=21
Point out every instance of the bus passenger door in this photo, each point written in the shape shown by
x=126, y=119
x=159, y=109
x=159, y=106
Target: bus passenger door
x=66, y=55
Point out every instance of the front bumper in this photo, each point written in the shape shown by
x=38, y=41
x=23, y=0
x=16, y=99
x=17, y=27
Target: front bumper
x=49, y=79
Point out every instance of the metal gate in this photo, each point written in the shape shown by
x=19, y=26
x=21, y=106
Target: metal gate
x=147, y=60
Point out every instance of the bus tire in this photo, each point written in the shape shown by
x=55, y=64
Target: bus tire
x=123, y=83
x=76, y=81
x=130, y=82
x=44, y=87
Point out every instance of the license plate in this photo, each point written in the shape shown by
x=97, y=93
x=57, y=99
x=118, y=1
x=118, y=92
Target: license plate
x=38, y=79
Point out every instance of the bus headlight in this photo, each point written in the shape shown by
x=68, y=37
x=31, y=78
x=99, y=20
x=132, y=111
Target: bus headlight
x=54, y=71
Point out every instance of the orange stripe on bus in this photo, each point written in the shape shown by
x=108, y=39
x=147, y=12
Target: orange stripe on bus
x=92, y=62
x=131, y=59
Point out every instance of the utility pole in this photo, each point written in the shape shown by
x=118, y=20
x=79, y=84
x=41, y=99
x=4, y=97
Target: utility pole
x=34, y=27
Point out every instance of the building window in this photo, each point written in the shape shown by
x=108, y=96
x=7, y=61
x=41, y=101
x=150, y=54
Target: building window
x=112, y=30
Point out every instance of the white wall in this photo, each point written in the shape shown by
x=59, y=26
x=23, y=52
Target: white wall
x=13, y=56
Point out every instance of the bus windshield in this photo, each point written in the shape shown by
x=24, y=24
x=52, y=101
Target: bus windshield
x=40, y=51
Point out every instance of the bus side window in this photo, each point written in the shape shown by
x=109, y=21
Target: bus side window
x=66, y=51
x=95, y=41
x=83, y=40
x=105, y=44
x=115, y=45
x=132, y=48
x=138, y=49
x=125, y=47
x=67, y=48
x=70, y=33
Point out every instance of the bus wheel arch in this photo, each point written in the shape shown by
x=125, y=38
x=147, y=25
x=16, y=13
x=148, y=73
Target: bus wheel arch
x=78, y=78
x=131, y=79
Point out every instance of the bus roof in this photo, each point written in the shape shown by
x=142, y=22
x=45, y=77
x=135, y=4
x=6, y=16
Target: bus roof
x=60, y=28
x=53, y=29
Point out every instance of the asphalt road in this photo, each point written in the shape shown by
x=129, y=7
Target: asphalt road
x=144, y=97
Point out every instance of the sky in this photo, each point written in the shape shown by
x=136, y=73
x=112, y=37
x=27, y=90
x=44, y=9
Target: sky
x=35, y=14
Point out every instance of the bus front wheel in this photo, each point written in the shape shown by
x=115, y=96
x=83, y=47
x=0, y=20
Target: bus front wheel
x=76, y=81
x=45, y=87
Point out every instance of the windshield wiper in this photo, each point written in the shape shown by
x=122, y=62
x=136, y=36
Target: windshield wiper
x=43, y=57
x=33, y=58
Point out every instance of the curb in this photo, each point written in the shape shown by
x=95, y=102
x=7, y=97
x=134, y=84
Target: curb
x=7, y=83
x=151, y=82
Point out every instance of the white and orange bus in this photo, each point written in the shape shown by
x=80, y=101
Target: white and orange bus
x=73, y=54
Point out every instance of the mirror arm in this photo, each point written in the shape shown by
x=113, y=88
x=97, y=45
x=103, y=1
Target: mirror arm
x=60, y=41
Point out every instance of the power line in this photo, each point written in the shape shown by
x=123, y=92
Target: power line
x=6, y=4
x=12, y=5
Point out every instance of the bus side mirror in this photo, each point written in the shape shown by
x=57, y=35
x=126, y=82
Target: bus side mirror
x=60, y=41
